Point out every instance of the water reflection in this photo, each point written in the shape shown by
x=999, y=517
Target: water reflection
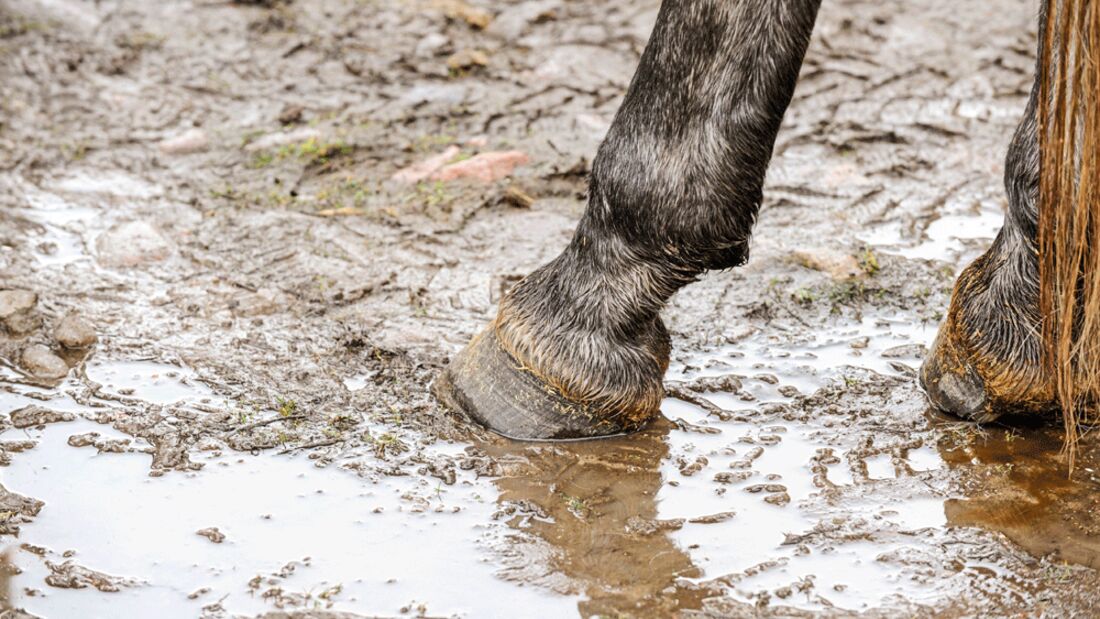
x=1017, y=484
x=592, y=506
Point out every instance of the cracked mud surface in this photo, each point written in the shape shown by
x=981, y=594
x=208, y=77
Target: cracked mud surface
x=211, y=187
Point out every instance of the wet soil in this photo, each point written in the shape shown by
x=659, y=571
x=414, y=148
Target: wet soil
x=211, y=187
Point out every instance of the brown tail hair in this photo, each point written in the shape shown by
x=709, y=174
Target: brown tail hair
x=1069, y=209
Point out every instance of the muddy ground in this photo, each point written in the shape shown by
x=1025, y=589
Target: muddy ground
x=221, y=192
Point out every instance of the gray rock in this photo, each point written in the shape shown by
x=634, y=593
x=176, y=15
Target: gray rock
x=74, y=332
x=131, y=244
x=42, y=363
x=17, y=313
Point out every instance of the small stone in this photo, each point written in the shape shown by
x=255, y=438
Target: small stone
x=212, y=534
x=486, y=167
x=131, y=244
x=42, y=363
x=17, y=311
x=33, y=416
x=190, y=141
x=74, y=332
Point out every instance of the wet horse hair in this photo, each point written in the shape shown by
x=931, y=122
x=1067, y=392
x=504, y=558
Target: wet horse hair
x=1069, y=210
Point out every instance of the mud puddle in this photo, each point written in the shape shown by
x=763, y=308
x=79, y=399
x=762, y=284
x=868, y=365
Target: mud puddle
x=246, y=534
x=738, y=494
x=255, y=350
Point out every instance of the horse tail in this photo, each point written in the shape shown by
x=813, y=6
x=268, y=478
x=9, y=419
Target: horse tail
x=1069, y=209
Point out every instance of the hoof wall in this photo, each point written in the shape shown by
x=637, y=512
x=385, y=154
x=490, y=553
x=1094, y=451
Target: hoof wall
x=487, y=384
x=952, y=384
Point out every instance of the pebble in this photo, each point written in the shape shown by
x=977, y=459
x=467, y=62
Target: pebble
x=190, y=141
x=17, y=311
x=131, y=244
x=41, y=362
x=74, y=332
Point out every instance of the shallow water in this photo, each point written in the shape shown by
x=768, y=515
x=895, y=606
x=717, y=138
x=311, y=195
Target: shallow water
x=374, y=546
x=709, y=506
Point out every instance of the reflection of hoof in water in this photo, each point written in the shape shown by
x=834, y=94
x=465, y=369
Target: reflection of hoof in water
x=490, y=386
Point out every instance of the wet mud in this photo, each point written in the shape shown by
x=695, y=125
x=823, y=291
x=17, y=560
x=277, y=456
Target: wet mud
x=239, y=240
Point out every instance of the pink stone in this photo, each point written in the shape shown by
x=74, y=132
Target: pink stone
x=423, y=169
x=486, y=167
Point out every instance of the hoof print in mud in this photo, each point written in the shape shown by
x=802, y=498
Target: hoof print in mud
x=494, y=389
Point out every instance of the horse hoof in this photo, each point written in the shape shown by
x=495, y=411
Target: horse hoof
x=952, y=383
x=494, y=389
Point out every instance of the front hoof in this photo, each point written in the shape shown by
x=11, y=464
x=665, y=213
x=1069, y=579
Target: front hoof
x=494, y=389
x=952, y=383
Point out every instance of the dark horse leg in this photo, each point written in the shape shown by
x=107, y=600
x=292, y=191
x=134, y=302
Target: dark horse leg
x=578, y=348
x=987, y=359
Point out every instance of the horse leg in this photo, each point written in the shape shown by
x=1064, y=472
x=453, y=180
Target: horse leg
x=578, y=348
x=987, y=357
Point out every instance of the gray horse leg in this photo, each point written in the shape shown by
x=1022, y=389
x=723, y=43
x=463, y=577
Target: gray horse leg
x=578, y=348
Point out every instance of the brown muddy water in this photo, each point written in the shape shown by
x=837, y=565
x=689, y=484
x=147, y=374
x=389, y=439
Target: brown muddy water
x=211, y=185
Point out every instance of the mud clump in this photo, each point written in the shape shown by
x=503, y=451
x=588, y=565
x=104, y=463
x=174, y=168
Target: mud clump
x=74, y=332
x=83, y=440
x=16, y=509
x=212, y=534
x=7, y=448
x=17, y=313
x=40, y=362
x=103, y=445
x=36, y=416
x=132, y=244
x=69, y=575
